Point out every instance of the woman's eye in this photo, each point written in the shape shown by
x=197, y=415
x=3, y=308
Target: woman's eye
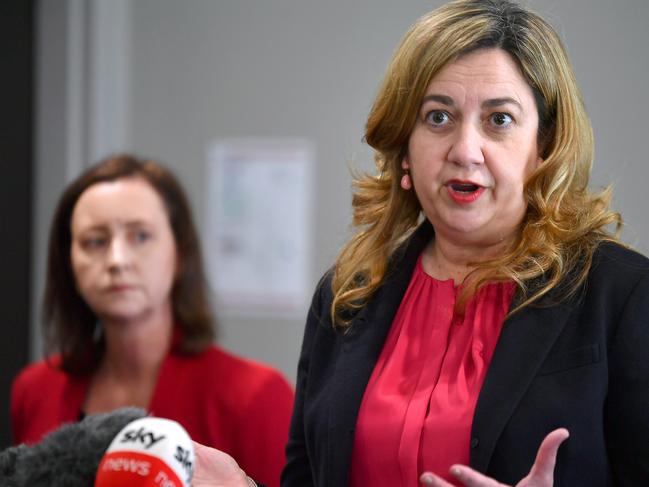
x=93, y=242
x=501, y=119
x=437, y=117
x=141, y=236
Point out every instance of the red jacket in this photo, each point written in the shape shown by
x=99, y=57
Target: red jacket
x=238, y=406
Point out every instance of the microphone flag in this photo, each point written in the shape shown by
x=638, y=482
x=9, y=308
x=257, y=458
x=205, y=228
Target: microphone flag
x=148, y=452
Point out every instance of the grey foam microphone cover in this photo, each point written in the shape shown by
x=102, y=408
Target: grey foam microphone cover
x=67, y=457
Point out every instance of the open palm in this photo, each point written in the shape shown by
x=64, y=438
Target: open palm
x=541, y=474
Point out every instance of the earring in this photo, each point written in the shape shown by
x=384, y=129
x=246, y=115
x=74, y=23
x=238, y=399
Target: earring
x=406, y=182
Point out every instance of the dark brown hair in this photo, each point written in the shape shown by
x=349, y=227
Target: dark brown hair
x=69, y=323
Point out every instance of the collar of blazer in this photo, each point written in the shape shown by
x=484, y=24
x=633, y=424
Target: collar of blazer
x=525, y=341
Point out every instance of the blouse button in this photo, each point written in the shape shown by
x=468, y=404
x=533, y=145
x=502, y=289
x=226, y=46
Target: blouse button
x=474, y=442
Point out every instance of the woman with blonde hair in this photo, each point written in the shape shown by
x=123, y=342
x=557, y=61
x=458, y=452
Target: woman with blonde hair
x=485, y=308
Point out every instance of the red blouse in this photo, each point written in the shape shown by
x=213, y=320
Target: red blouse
x=418, y=406
x=223, y=401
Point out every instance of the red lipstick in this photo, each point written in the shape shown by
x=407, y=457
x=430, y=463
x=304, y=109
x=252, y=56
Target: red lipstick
x=464, y=192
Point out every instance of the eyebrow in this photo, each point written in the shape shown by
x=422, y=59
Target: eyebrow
x=103, y=227
x=498, y=102
x=443, y=99
x=137, y=223
x=490, y=103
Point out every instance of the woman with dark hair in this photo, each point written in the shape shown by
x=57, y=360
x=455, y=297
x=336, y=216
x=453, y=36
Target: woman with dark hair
x=127, y=322
x=484, y=307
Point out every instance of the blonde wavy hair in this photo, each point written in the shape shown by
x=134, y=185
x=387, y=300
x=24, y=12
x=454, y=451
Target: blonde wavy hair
x=564, y=221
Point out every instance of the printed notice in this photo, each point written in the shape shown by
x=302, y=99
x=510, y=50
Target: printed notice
x=258, y=234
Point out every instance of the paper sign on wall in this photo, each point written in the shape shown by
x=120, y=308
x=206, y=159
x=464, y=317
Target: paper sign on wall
x=259, y=224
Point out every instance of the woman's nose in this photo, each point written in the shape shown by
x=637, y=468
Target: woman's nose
x=119, y=254
x=466, y=147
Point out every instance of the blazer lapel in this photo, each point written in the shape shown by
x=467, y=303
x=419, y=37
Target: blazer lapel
x=360, y=349
x=525, y=341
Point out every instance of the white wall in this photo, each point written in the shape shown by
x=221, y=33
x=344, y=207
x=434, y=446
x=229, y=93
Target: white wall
x=203, y=69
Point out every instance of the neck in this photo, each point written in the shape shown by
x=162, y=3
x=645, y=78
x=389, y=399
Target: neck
x=445, y=259
x=135, y=349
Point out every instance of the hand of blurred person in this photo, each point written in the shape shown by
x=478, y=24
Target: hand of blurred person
x=541, y=474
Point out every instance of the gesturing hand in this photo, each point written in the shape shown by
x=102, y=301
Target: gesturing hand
x=541, y=474
x=216, y=469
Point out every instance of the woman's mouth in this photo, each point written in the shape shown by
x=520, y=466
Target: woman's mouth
x=464, y=192
x=119, y=288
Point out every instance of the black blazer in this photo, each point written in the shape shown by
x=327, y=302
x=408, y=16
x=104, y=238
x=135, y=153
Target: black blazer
x=582, y=364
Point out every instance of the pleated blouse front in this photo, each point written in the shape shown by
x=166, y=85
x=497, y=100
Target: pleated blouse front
x=418, y=406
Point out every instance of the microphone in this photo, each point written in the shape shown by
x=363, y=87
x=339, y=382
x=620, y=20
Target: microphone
x=148, y=452
x=66, y=457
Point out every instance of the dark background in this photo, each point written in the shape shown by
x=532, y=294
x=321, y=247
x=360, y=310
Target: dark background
x=16, y=163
